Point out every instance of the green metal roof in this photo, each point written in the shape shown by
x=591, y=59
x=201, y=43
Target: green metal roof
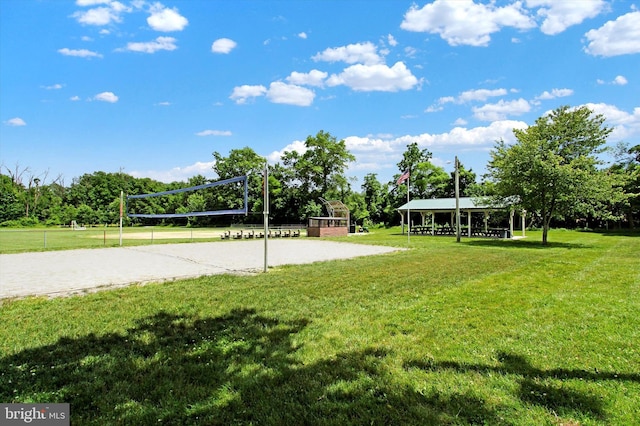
x=449, y=204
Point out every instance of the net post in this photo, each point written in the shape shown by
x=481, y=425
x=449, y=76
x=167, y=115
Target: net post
x=246, y=196
x=121, y=208
x=265, y=212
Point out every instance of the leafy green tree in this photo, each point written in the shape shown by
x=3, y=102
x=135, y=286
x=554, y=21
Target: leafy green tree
x=240, y=162
x=467, y=179
x=412, y=157
x=552, y=168
x=626, y=173
x=319, y=172
x=85, y=215
x=417, y=162
x=374, y=197
x=429, y=181
x=283, y=195
x=10, y=205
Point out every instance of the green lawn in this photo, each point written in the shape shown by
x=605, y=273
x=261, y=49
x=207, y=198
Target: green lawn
x=42, y=239
x=482, y=332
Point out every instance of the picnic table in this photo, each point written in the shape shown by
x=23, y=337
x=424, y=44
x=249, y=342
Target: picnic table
x=421, y=230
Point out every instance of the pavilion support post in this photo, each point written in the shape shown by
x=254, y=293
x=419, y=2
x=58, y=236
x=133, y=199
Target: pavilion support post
x=511, y=213
x=524, y=226
x=486, y=222
x=469, y=224
x=433, y=223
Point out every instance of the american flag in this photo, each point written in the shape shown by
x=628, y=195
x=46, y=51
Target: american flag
x=404, y=176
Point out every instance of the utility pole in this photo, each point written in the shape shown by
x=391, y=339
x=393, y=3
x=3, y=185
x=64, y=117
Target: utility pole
x=457, y=183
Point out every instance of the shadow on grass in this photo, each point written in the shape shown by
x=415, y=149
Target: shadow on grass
x=237, y=368
x=540, y=387
x=615, y=232
x=522, y=244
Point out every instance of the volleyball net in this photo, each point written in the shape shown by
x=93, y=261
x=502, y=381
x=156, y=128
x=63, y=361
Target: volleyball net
x=179, y=213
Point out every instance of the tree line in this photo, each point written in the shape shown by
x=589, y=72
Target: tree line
x=552, y=170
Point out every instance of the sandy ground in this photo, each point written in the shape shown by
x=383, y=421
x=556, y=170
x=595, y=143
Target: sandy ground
x=59, y=273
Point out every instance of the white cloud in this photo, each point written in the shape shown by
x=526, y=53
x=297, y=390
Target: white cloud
x=392, y=40
x=56, y=86
x=165, y=19
x=99, y=16
x=502, y=129
x=291, y=94
x=74, y=98
x=302, y=35
x=178, y=174
x=480, y=95
x=368, y=78
x=365, y=53
x=106, y=97
x=368, y=144
x=82, y=53
x=160, y=43
x=15, y=122
x=242, y=93
x=312, y=78
x=214, y=133
x=223, y=45
x=555, y=93
x=501, y=110
x=620, y=80
x=383, y=152
x=434, y=108
x=464, y=22
x=619, y=37
x=410, y=52
x=91, y=2
x=625, y=125
x=559, y=15
x=297, y=146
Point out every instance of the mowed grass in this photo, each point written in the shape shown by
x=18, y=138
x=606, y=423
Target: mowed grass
x=482, y=332
x=43, y=239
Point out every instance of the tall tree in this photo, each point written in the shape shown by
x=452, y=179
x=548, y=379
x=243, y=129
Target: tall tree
x=552, y=168
x=467, y=179
x=319, y=171
x=240, y=162
x=374, y=197
x=412, y=157
x=626, y=172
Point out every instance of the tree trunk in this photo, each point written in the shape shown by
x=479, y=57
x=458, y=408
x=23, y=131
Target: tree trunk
x=546, y=223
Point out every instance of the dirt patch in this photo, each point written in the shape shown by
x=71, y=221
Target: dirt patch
x=59, y=273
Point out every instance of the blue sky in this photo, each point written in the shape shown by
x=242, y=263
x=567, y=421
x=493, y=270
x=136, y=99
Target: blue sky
x=153, y=88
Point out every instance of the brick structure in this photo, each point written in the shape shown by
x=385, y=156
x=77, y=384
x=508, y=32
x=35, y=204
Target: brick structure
x=328, y=227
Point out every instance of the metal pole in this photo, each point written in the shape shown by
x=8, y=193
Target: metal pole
x=457, y=200
x=121, y=206
x=266, y=214
x=408, y=210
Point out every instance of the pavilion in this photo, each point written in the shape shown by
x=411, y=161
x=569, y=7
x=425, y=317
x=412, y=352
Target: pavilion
x=468, y=206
